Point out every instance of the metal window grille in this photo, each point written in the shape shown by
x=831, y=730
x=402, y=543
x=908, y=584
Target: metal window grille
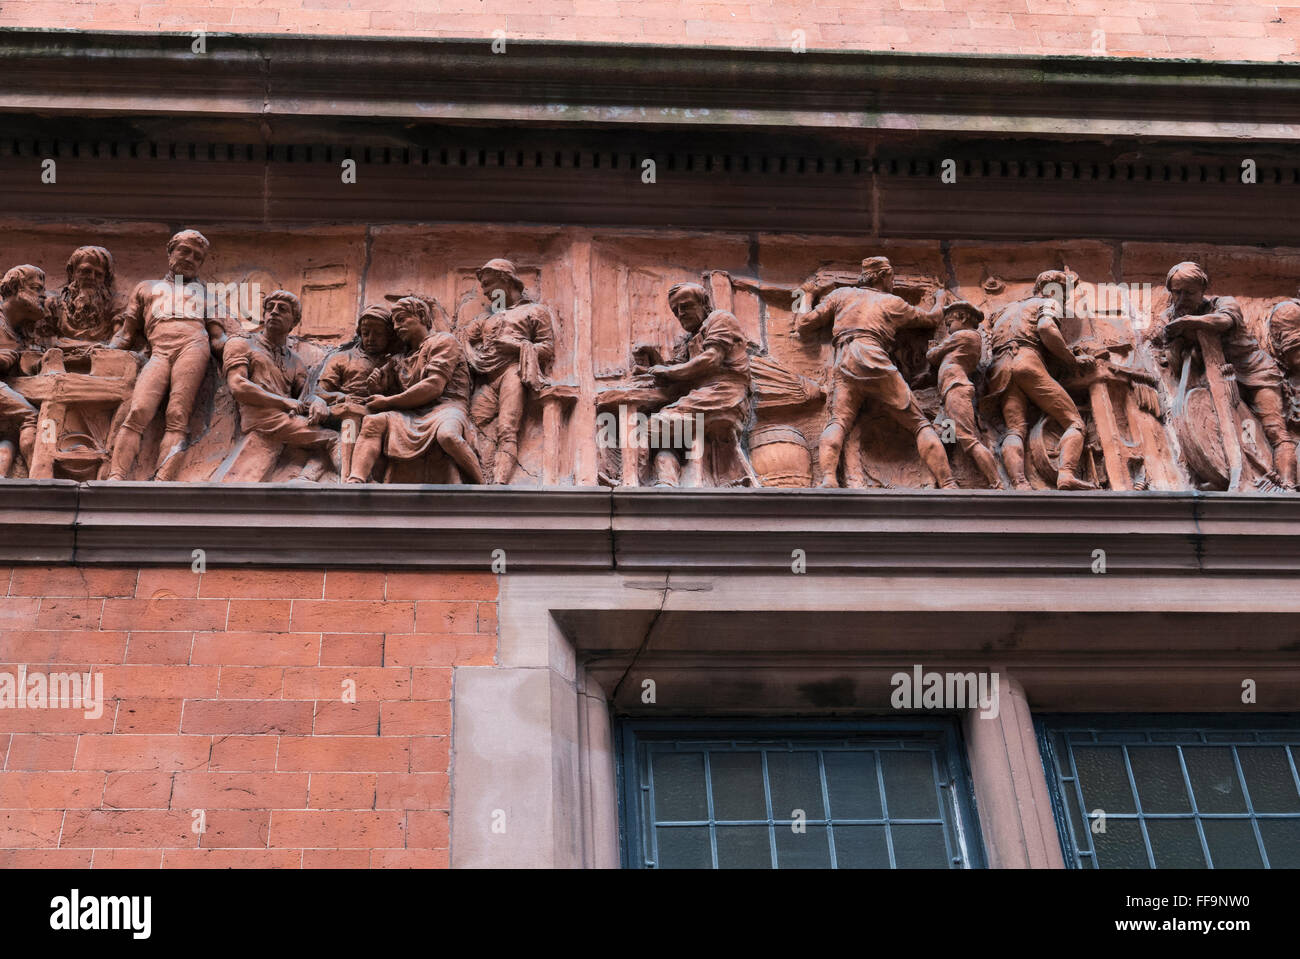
x=1175, y=792
x=823, y=795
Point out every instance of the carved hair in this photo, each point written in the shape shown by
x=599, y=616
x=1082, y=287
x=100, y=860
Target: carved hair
x=417, y=306
x=376, y=311
x=1048, y=277
x=194, y=236
x=285, y=296
x=9, y=285
x=695, y=289
x=1187, y=270
x=98, y=253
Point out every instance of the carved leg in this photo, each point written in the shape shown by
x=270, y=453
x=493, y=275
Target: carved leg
x=1013, y=458
x=44, y=441
x=369, y=444
x=829, y=449
x=1071, y=451
x=453, y=443
x=935, y=457
x=6, y=458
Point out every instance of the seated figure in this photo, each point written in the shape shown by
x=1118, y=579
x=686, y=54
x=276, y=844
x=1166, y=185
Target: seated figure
x=421, y=399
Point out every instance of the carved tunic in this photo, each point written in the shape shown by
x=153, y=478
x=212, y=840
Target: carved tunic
x=412, y=433
x=959, y=363
x=522, y=323
x=278, y=371
x=1253, y=367
x=725, y=393
x=347, y=372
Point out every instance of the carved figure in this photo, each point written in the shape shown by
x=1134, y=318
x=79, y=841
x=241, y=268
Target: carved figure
x=183, y=333
x=866, y=322
x=268, y=380
x=711, y=384
x=1025, y=333
x=421, y=399
x=85, y=311
x=510, y=348
x=956, y=358
x=1216, y=327
x=22, y=307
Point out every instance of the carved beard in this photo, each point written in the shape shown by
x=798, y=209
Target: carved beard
x=87, y=311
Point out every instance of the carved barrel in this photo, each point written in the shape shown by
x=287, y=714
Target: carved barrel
x=781, y=456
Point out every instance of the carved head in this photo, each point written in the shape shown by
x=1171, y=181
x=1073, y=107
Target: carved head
x=375, y=329
x=90, y=267
x=23, y=292
x=1186, y=283
x=877, y=273
x=186, y=252
x=281, y=312
x=690, y=304
x=413, y=319
x=961, y=315
x=499, y=274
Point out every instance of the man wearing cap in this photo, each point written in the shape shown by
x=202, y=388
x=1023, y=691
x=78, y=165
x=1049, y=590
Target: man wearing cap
x=22, y=308
x=712, y=379
x=867, y=320
x=183, y=332
x=957, y=355
x=1258, y=376
x=421, y=399
x=85, y=309
x=268, y=380
x=1025, y=333
x=510, y=348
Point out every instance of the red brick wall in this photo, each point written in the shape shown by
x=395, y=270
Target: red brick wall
x=224, y=693
x=1152, y=28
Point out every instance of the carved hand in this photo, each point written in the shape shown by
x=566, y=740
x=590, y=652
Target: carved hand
x=377, y=404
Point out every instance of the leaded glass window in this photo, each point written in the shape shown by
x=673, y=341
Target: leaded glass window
x=1182, y=792
x=823, y=796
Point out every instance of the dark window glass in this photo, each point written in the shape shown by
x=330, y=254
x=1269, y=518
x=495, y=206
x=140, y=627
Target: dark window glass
x=1175, y=792
x=808, y=796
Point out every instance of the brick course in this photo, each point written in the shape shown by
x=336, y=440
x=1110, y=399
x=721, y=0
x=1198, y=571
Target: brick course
x=1129, y=28
x=223, y=693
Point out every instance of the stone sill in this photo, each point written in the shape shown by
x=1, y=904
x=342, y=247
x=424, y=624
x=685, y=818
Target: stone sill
x=649, y=530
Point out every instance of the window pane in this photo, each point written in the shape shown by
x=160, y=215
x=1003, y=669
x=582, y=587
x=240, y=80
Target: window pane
x=1175, y=844
x=806, y=850
x=909, y=786
x=1121, y=845
x=1269, y=779
x=684, y=847
x=796, y=784
x=851, y=780
x=738, y=786
x=1214, y=779
x=861, y=847
x=1159, y=778
x=1282, y=842
x=679, y=787
x=744, y=847
x=1232, y=844
x=1104, y=778
x=920, y=847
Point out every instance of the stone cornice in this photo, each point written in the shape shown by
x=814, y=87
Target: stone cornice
x=650, y=531
x=270, y=80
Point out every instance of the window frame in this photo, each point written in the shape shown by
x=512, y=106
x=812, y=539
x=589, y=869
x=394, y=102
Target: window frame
x=631, y=731
x=1048, y=723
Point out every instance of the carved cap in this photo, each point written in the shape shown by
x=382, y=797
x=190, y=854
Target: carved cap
x=876, y=264
x=500, y=267
x=966, y=307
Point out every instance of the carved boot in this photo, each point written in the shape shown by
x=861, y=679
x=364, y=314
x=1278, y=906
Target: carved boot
x=1071, y=451
x=1285, y=461
x=503, y=467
